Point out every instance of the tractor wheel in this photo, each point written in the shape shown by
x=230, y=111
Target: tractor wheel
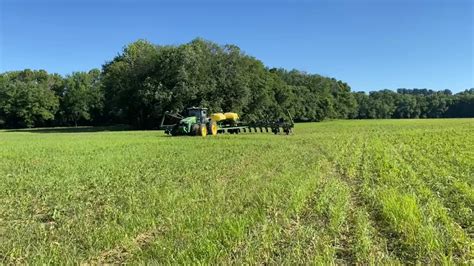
x=174, y=131
x=195, y=131
x=202, y=130
x=212, y=128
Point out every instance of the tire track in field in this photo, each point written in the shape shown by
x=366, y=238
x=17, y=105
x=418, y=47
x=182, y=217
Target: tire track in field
x=360, y=241
x=290, y=244
x=348, y=236
x=367, y=238
x=272, y=239
x=333, y=239
x=345, y=237
x=336, y=242
x=313, y=219
x=266, y=239
x=382, y=246
x=388, y=245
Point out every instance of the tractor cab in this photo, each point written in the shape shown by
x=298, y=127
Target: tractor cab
x=199, y=113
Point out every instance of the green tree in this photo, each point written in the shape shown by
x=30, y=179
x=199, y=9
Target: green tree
x=82, y=96
x=126, y=81
x=26, y=99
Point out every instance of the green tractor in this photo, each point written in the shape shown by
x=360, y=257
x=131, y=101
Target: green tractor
x=195, y=122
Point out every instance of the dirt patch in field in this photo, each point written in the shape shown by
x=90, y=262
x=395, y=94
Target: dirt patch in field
x=120, y=254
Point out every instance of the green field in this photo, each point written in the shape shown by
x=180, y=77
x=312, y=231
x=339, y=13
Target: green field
x=334, y=192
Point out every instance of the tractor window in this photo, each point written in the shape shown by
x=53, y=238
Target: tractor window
x=194, y=112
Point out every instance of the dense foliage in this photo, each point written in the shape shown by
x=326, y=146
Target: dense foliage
x=145, y=80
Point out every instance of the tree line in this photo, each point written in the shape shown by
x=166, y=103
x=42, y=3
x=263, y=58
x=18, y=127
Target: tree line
x=145, y=80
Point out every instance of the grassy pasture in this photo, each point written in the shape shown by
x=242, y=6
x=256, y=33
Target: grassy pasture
x=380, y=191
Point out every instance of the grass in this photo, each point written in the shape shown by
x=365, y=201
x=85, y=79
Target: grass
x=381, y=191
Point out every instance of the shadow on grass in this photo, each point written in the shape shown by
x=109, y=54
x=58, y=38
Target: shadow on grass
x=82, y=129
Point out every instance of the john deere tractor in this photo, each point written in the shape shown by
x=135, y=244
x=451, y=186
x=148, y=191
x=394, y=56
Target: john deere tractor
x=195, y=122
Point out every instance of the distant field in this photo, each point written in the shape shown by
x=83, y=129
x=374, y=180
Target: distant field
x=378, y=191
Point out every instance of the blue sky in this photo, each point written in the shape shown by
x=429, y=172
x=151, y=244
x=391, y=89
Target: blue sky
x=369, y=44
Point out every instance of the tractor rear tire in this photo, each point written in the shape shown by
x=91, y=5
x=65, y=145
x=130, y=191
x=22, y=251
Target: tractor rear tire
x=174, y=131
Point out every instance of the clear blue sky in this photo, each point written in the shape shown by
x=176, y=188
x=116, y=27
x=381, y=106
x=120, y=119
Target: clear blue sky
x=369, y=44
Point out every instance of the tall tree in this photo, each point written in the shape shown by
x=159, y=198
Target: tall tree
x=82, y=97
x=27, y=99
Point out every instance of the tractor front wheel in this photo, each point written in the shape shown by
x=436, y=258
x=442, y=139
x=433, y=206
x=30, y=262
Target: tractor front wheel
x=212, y=128
x=202, y=130
x=195, y=130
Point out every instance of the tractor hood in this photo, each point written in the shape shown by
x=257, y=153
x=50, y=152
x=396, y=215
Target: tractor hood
x=188, y=120
x=186, y=124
